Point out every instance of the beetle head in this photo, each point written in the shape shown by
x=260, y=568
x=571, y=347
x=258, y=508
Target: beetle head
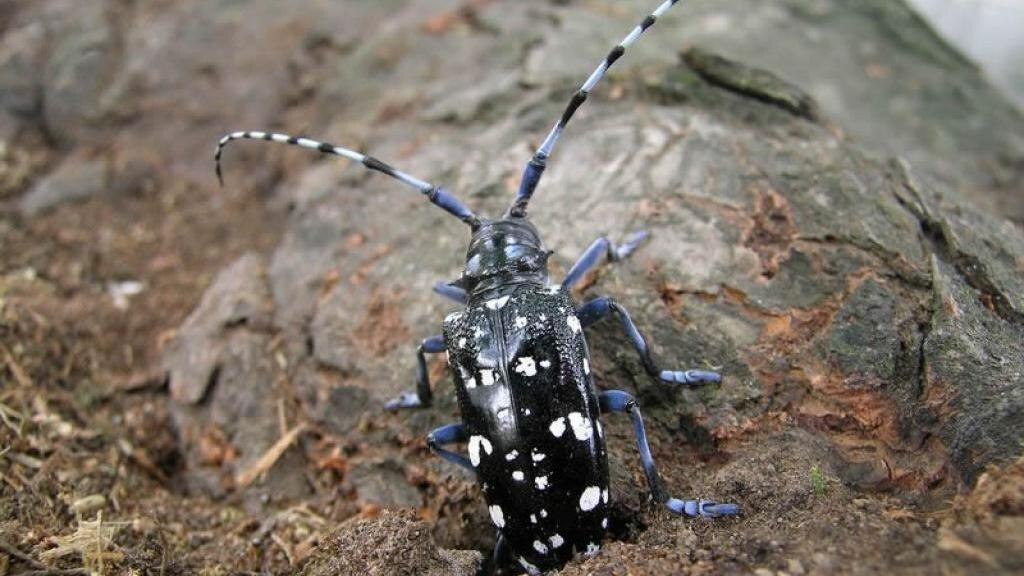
x=503, y=253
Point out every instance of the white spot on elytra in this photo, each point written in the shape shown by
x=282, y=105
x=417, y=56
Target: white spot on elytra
x=580, y=426
x=540, y=547
x=533, y=518
x=530, y=568
x=557, y=427
x=586, y=367
x=590, y=498
x=542, y=483
x=574, y=323
x=537, y=456
x=543, y=513
x=487, y=377
x=604, y=495
x=512, y=455
x=471, y=382
x=526, y=367
x=556, y=540
x=518, y=475
x=462, y=342
x=475, y=443
x=520, y=322
x=545, y=363
x=526, y=411
x=497, y=516
x=604, y=523
x=592, y=549
x=497, y=303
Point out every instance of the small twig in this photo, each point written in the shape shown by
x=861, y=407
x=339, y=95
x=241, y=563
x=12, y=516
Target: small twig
x=284, y=548
x=14, y=551
x=6, y=413
x=53, y=572
x=282, y=419
x=20, y=376
x=269, y=458
x=23, y=459
x=11, y=482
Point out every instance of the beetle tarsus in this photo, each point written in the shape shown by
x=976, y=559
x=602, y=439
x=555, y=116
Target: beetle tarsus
x=634, y=241
x=405, y=402
x=690, y=377
x=701, y=508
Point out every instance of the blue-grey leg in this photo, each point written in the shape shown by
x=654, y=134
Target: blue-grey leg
x=450, y=434
x=614, y=401
x=422, y=396
x=598, y=308
x=602, y=247
x=451, y=292
x=498, y=555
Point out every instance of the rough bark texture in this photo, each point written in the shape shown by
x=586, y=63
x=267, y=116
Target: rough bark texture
x=825, y=183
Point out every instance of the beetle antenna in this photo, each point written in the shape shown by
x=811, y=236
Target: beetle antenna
x=535, y=168
x=436, y=194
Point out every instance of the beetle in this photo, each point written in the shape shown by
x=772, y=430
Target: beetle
x=519, y=359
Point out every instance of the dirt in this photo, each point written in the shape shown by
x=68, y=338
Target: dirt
x=191, y=377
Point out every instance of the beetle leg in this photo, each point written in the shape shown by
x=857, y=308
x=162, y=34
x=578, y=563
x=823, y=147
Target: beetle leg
x=598, y=308
x=602, y=246
x=500, y=547
x=618, y=401
x=422, y=396
x=451, y=292
x=449, y=434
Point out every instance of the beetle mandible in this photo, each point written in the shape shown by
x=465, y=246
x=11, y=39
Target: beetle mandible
x=530, y=411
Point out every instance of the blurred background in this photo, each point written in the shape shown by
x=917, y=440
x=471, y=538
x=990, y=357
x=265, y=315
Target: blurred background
x=989, y=31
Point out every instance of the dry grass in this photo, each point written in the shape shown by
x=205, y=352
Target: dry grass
x=93, y=542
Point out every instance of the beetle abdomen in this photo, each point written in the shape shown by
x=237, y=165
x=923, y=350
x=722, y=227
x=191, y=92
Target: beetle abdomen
x=522, y=376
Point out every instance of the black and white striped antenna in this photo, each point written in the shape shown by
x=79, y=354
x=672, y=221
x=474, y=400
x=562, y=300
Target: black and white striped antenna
x=535, y=168
x=437, y=195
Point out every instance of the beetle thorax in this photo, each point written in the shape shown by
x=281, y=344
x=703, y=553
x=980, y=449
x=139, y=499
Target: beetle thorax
x=504, y=254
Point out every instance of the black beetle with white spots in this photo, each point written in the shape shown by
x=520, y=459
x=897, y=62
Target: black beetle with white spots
x=530, y=411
